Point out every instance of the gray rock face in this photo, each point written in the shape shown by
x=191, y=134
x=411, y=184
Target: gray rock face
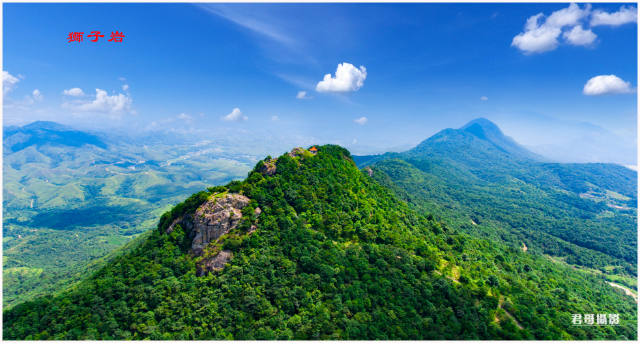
x=369, y=171
x=214, y=263
x=269, y=167
x=216, y=218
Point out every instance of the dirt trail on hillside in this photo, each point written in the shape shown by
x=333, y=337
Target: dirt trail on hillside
x=510, y=316
x=626, y=290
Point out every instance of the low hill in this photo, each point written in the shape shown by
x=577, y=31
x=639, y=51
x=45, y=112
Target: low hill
x=310, y=247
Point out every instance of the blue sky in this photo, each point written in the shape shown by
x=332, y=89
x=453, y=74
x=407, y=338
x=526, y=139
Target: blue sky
x=425, y=66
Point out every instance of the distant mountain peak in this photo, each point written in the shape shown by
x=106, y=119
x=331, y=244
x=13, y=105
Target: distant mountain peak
x=47, y=132
x=485, y=124
x=479, y=137
x=47, y=125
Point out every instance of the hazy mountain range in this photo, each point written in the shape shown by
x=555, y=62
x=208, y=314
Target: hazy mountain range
x=565, y=141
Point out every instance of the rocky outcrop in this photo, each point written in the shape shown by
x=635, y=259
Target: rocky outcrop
x=251, y=229
x=182, y=221
x=296, y=152
x=268, y=168
x=214, y=263
x=369, y=171
x=212, y=220
x=215, y=218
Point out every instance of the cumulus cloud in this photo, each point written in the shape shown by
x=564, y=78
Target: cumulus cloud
x=115, y=104
x=122, y=79
x=362, y=120
x=569, y=16
x=607, y=84
x=536, y=37
x=73, y=92
x=579, y=36
x=303, y=95
x=235, y=115
x=37, y=96
x=542, y=34
x=274, y=118
x=484, y=98
x=623, y=16
x=125, y=87
x=8, y=83
x=348, y=79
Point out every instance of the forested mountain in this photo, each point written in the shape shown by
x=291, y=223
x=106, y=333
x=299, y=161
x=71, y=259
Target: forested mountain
x=310, y=247
x=488, y=185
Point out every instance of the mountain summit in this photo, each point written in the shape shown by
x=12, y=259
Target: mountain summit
x=477, y=140
x=487, y=130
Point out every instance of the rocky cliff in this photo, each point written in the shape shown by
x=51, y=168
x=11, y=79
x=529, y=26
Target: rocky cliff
x=212, y=220
x=215, y=218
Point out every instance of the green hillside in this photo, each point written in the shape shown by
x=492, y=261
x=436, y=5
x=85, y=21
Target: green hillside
x=319, y=250
x=487, y=185
x=66, y=208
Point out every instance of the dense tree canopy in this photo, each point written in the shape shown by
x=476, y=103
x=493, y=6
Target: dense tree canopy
x=335, y=256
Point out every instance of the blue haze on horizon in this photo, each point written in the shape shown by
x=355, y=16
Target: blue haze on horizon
x=428, y=67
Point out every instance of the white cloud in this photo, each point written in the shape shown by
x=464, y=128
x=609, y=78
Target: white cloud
x=74, y=92
x=235, y=115
x=8, y=82
x=623, y=16
x=536, y=38
x=122, y=79
x=187, y=118
x=579, y=36
x=354, y=141
x=362, y=120
x=484, y=98
x=303, y=95
x=201, y=114
x=104, y=103
x=542, y=35
x=125, y=87
x=274, y=118
x=37, y=96
x=348, y=79
x=607, y=84
x=569, y=16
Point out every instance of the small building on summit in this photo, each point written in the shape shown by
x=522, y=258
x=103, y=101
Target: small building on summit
x=313, y=150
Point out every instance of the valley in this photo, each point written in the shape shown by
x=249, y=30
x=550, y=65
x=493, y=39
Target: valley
x=68, y=207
